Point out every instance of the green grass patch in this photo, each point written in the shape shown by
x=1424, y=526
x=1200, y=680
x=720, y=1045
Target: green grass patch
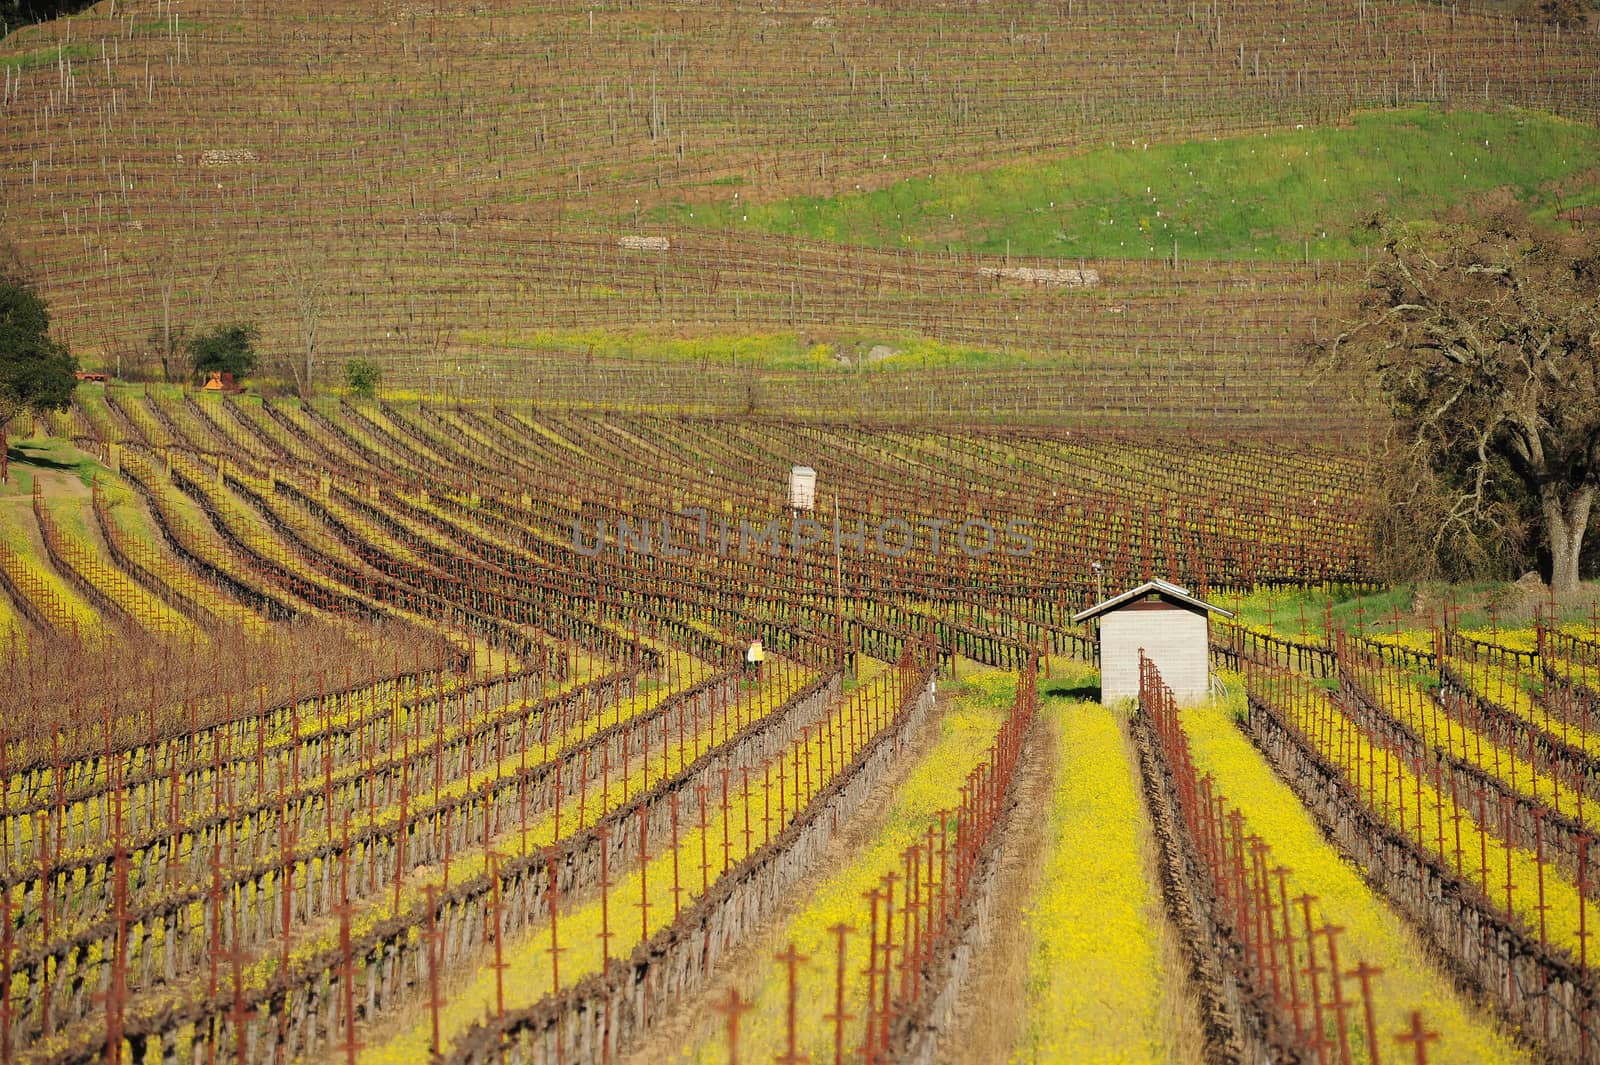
x=1280, y=195
x=47, y=57
x=29, y=454
x=831, y=352
x=1297, y=612
x=1412, y=610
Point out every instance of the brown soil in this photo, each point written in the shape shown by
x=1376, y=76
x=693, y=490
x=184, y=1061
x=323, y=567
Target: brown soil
x=992, y=1010
x=57, y=484
x=991, y=1016
x=693, y=1021
x=1184, y=1034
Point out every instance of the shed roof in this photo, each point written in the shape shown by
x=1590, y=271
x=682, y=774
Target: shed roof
x=1132, y=595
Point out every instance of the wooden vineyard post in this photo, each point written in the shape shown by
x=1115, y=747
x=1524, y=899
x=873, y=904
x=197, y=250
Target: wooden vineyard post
x=556, y=787
x=783, y=815
x=583, y=790
x=555, y=942
x=237, y=1014
x=1483, y=838
x=766, y=801
x=944, y=852
x=46, y=877
x=1262, y=902
x=215, y=900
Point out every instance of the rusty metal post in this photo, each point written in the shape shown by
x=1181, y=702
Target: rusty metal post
x=1317, y=1039
x=1364, y=974
x=733, y=1007
x=1538, y=858
x=869, y=1045
x=1417, y=1037
x=499, y=963
x=1331, y=933
x=791, y=959
x=839, y=1017
x=555, y=940
x=887, y=947
x=435, y=1003
x=705, y=860
x=644, y=878
x=605, y=898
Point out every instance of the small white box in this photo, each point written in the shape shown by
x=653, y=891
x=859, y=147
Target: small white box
x=802, y=487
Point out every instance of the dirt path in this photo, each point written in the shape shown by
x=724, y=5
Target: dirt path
x=62, y=491
x=1185, y=1034
x=992, y=1011
x=1041, y=991
x=692, y=1021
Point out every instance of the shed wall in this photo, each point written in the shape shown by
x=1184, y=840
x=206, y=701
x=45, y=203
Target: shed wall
x=1177, y=641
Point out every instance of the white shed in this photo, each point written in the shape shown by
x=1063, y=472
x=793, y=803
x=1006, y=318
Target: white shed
x=1170, y=625
x=802, y=487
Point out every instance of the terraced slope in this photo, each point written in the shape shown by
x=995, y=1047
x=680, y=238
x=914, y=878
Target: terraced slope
x=410, y=176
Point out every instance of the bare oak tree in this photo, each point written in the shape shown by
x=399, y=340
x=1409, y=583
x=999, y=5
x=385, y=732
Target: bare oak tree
x=1483, y=334
x=305, y=278
x=176, y=267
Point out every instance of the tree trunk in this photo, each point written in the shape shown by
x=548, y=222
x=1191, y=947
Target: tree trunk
x=1565, y=524
x=166, y=331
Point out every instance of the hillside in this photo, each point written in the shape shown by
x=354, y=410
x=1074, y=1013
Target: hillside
x=848, y=560
x=406, y=183
x=1292, y=195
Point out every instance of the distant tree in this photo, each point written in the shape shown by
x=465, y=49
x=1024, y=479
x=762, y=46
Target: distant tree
x=303, y=271
x=361, y=377
x=166, y=346
x=1568, y=14
x=1483, y=335
x=15, y=14
x=174, y=266
x=36, y=372
x=225, y=349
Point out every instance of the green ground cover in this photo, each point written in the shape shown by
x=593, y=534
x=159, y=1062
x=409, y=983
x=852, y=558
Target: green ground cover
x=1281, y=195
